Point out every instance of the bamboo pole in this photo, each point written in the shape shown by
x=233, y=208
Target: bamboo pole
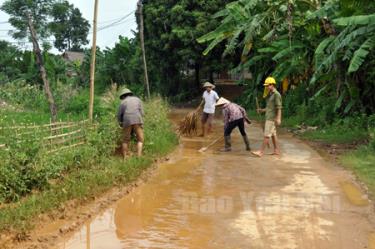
x=92, y=65
x=61, y=135
x=141, y=34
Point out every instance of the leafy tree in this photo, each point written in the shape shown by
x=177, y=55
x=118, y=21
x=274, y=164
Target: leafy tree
x=327, y=47
x=32, y=16
x=349, y=53
x=39, y=11
x=171, y=29
x=69, y=27
x=121, y=64
x=10, y=58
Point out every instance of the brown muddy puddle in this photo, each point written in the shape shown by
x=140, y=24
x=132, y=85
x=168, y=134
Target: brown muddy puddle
x=219, y=200
x=354, y=194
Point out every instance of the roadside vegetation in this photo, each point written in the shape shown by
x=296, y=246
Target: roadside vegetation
x=38, y=174
x=34, y=181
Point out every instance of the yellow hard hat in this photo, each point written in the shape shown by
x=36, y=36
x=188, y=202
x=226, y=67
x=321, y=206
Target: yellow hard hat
x=269, y=81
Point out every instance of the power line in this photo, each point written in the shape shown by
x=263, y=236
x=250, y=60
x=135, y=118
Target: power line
x=116, y=19
x=118, y=22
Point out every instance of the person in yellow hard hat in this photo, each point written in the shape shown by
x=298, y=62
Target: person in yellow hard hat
x=273, y=117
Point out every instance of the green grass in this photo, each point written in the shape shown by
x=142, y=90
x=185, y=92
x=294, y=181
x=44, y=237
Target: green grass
x=336, y=135
x=80, y=184
x=292, y=121
x=78, y=173
x=253, y=115
x=362, y=163
x=8, y=117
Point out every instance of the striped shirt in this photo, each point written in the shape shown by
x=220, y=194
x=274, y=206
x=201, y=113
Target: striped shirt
x=232, y=112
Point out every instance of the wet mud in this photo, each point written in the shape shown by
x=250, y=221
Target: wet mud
x=233, y=200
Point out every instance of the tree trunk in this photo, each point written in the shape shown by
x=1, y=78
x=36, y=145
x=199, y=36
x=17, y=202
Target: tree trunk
x=141, y=34
x=42, y=70
x=92, y=64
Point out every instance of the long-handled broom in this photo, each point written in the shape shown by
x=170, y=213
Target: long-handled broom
x=203, y=149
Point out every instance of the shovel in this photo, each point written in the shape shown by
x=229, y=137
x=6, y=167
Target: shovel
x=203, y=149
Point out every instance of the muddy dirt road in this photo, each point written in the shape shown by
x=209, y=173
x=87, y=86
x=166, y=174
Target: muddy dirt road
x=232, y=200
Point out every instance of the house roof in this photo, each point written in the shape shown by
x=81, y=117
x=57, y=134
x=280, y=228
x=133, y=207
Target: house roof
x=73, y=56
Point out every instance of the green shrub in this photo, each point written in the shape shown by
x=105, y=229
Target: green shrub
x=299, y=109
x=371, y=129
x=158, y=135
x=78, y=103
x=26, y=164
x=19, y=93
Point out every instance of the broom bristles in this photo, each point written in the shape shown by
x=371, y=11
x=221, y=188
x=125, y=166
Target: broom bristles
x=188, y=126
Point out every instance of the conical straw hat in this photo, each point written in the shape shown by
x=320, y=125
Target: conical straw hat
x=208, y=84
x=222, y=101
x=125, y=91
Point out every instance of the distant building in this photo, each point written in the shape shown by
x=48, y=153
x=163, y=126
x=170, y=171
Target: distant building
x=75, y=59
x=73, y=56
x=230, y=77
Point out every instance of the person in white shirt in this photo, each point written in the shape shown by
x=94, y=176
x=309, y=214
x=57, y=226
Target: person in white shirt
x=209, y=100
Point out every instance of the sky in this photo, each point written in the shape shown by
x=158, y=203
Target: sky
x=109, y=11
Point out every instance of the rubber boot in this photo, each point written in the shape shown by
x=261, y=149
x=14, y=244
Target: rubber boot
x=228, y=146
x=246, y=141
x=139, y=149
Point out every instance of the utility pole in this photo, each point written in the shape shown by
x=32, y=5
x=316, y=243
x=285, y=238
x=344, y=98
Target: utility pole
x=42, y=69
x=141, y=34
x=92, y=64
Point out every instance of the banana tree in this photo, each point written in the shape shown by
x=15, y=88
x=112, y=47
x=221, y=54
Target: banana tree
x=350, y=47
x=270, y=39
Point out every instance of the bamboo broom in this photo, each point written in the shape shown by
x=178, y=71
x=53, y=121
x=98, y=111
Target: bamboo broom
x=189, y=125
x=203, y=149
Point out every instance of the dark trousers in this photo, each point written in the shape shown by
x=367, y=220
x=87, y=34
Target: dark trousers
x=236, y=123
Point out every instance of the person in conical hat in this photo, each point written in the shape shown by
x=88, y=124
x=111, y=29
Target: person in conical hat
x=273, y=117
x=234, y=116
x=209, y=99
x=130, y=117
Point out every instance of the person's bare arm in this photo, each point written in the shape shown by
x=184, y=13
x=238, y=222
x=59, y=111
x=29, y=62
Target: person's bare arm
x=278, y=105
x=261, y=110
x=278, y=116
